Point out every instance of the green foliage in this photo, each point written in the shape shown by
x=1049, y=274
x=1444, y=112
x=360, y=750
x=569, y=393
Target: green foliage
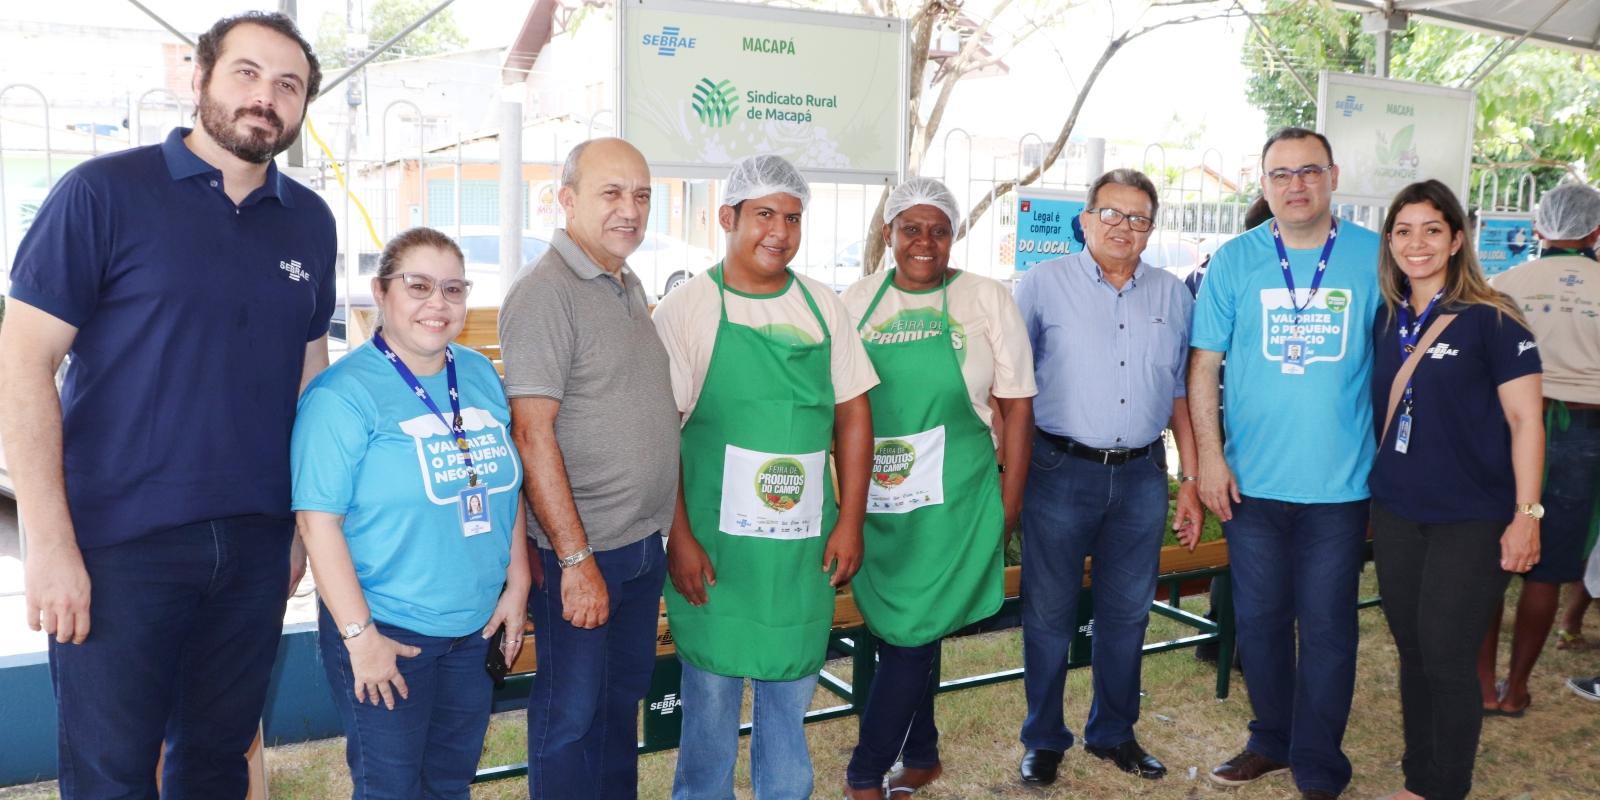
x=387, y=18
x=1534, y=110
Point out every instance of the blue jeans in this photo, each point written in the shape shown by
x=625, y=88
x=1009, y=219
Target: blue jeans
x=1572, y=471
x=428, y=746
x=780, y=762
x=184, y=626
x=583, y=709
x=898, y=719
x=1296, y=566
x=1073, y=508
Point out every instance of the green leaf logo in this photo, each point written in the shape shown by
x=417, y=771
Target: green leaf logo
x=715, y=103
x=780, y=482
x=891, y=462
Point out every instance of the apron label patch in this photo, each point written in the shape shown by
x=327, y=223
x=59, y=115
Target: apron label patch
x=772, y=495
x=907, y=472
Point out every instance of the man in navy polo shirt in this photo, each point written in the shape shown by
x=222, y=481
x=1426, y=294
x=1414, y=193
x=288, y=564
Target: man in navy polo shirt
x=192, y=284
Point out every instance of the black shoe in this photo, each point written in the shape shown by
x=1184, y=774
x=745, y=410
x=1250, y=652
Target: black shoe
x=1039, y=766
x=1130, y=757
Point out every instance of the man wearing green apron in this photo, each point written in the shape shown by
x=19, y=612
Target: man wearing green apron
x=944, y=342
x=767, y=373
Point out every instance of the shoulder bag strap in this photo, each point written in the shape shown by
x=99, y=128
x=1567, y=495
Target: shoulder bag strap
x=1401, y=378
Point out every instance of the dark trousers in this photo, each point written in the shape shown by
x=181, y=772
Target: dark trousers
x=583, y=709
x=1440, y=585
x=1074, y=508
x=1295, y=568
x=898, y=720
x=428, y=745
x=184, y=626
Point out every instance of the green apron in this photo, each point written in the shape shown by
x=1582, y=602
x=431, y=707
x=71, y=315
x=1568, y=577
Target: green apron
x=934, y=515
x=760, y=501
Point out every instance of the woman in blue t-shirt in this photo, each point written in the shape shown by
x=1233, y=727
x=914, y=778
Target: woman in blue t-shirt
x=406, y=488
x=1456, y=481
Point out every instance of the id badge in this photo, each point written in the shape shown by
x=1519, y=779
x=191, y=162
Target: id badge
x=474, y=504
x=1294, y=356
x=1402, y=434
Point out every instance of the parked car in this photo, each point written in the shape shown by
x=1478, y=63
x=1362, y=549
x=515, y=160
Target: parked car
x=664, y=262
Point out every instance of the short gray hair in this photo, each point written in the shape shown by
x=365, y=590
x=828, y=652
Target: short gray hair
x=569, y=170
x=1126, y=177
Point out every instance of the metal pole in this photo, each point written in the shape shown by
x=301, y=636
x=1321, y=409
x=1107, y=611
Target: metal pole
x=49, y=164
x=1477, y=76
x=510, y=191
x=457, y=198
x=383, y=154
x=157, y=17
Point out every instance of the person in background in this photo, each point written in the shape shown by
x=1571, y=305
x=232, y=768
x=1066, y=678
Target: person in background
x=414, y=524
x=942, y=342
x=1456, y=399
x=192, y=284
x=1557, y=292
x=1109, y=335
x=768, y=374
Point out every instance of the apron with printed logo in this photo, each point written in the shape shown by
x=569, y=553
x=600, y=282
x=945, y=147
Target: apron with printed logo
x=760, y=500
x=934, y=514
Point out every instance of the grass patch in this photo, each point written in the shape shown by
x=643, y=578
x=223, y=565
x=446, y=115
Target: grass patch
x=1549, y=754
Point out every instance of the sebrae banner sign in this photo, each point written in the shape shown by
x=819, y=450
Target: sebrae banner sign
x=1387, y=134
x=704, y=84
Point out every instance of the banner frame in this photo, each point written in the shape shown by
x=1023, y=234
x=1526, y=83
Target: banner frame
x=1327, y=79
x=678, y=169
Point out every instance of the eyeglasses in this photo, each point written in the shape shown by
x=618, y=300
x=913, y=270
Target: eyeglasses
x=420, y=286
x=1310, y=173
x=1113, y=218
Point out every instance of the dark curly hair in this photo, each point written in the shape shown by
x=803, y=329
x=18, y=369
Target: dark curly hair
x=210, y=45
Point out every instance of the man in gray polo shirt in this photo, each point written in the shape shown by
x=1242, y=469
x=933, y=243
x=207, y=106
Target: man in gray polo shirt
x=593, y=417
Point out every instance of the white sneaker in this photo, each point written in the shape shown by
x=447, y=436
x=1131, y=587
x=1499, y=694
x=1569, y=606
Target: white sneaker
x=1586, y=688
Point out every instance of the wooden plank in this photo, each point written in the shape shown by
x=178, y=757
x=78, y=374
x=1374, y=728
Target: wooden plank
x=846, y=615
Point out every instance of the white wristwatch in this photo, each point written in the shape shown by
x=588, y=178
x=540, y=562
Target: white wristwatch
x=354, y=629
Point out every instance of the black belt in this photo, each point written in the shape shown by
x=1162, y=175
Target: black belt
x=1110, y=456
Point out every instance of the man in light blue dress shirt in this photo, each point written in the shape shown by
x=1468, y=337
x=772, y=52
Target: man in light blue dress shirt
x=1109, y=335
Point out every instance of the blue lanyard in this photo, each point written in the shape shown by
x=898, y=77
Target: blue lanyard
x=1410, y=332
x=1322, y=266
x=422, y=394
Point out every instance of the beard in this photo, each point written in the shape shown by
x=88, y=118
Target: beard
x=255, y=146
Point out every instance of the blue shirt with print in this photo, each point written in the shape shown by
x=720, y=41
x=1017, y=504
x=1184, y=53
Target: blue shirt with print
x=1296, y=438
x=368, y=449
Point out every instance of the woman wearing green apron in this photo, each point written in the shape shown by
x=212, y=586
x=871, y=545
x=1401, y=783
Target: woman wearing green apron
x=943, y=343
x=769, y=376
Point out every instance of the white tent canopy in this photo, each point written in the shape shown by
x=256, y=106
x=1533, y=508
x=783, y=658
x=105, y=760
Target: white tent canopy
x=1568, y=24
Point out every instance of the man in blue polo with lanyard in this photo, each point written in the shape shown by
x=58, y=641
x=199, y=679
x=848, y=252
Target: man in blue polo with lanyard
x=1290, y=304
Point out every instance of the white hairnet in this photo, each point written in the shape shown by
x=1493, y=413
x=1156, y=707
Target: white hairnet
x=921, y=192
x=759, y=176
x=1569, y=211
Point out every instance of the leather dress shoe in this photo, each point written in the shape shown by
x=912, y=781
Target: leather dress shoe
x=1039, y=766
x=1244, y=768
x=1130, y=757
x=1318, y=794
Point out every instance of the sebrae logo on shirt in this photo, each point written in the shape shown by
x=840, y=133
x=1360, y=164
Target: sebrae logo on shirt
x=295, y=270
x=780, y=482
x=891, y=462
x=913, y=324
x=1442, y=349
x=1323, y=327
x=439, y=458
